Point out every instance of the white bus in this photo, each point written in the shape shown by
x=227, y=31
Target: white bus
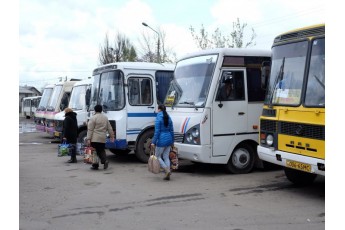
x=40, y=111
x=215, y=101
x=29, y=106
x=129, y=93
x=79, y=102
x=57, y=103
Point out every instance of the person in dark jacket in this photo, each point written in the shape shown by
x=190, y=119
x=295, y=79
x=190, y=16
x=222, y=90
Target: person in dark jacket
x=163, y=139
x=70, y=132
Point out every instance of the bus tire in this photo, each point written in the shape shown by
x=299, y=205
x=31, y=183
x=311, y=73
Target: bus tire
x=241, y=160
x=299, y=177
x=142, y=150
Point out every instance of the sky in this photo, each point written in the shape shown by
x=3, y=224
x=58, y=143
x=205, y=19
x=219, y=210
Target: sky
x=62, y=38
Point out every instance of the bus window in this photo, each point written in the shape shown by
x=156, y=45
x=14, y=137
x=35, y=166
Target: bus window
x=231, y=87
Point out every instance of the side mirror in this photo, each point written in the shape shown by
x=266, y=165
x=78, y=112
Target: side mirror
x=265, y=73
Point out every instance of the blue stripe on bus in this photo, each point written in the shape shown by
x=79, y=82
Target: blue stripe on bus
x=129, y=132
x=142, y=114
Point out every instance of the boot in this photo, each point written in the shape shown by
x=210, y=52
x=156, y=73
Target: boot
x=167, y=173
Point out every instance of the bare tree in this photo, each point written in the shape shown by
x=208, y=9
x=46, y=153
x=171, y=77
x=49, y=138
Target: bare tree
x=217, y=40
x=105, y=55
x=150, y=47
x=122, y=50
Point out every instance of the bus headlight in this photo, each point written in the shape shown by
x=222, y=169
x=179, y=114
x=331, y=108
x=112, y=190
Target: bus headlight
x=192, y=136
x=269, y=140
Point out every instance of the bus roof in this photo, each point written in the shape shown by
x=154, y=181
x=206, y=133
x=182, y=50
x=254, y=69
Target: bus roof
x=300, y=33
x=230, y=52
x=32, y=97
x=136, y=66
x=68, y=82
x=83, y=82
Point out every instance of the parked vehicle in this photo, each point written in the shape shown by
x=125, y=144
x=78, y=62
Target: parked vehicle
x=29, y=106
x=130, y=93
x=41, y=110
x=292, y=124
x=215, y=101
x=79, y=102
x=58, y=102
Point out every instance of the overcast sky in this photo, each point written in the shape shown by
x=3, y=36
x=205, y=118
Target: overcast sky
x=62, y=38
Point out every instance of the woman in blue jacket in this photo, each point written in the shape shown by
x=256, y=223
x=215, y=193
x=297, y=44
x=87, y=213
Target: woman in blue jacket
x=163, y=139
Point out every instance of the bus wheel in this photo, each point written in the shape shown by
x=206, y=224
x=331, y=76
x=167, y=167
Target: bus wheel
x=241, y=160
x=142, y=150
x=299, y=177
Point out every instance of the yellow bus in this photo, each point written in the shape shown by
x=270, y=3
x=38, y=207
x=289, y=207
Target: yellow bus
x=292, y=123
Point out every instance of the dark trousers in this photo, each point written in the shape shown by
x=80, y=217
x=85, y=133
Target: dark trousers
x=100, y=149
x=73, y=152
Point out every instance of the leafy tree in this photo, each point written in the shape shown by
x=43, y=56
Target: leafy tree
x=217, y=40
x=122, y=50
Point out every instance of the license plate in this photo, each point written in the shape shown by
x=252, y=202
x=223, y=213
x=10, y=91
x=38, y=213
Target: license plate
x=298, y=165
x=56, y=134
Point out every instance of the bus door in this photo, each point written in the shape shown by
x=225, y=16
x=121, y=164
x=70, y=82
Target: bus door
x=141, y=104
x=229, y=111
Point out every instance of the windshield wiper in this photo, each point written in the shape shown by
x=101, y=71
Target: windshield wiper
x=187, y=103
x=319, y=81
x=278, y=78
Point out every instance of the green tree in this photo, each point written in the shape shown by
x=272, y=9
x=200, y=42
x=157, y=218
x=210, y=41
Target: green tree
x=218, y=40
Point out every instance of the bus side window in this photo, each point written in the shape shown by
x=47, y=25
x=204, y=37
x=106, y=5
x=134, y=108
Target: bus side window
x=133, y=91
x=231, y=87
x=146, y=92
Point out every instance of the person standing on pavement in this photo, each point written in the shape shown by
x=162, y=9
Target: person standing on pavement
x=163, y=139
x=70, y=132
x=97, y=129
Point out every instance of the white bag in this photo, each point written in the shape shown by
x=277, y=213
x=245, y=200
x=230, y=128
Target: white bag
x=153, y=162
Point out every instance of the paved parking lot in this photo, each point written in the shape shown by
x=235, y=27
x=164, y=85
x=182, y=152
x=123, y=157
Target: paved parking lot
x=56, y=195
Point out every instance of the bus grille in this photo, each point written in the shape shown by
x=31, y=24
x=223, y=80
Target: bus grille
x=178, y=137
x=302, y=130
x=268, y=125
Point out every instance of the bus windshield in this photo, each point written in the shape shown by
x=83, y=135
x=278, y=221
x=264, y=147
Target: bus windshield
x=108, y=91
x=287, y=71
x=54, y=98
x=45, y=99
x=192, y=78
x=77, y=100
x=315, y=93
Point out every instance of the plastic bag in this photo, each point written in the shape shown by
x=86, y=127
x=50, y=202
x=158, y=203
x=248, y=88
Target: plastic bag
x=90, y=155
x=64, y=149
x=153, y=163
x=173, y=156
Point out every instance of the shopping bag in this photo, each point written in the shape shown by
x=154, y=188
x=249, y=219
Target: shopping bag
x=153, y=162
x=88, y=154
x=173, y=156
x=64, y=149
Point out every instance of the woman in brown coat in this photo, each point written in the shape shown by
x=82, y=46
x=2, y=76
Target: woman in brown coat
x=97, y=129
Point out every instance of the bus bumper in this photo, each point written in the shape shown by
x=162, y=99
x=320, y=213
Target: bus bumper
x=280, y=158
x=195, y=153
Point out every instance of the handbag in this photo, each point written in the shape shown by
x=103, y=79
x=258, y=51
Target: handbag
x=173, y=156
x=153, y=162
x=64, y=149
